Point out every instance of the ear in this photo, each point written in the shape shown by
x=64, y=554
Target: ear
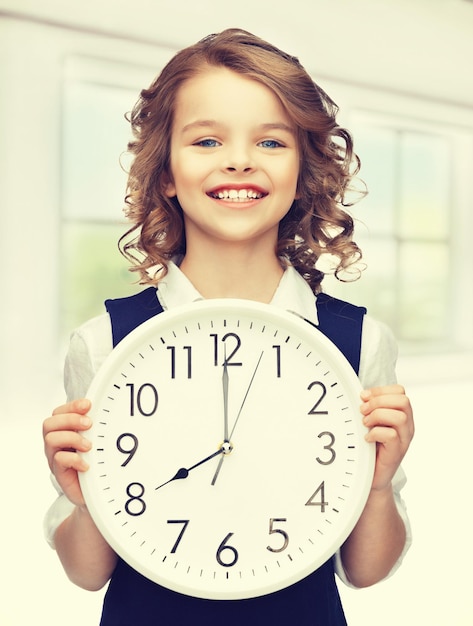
x=170, y=189
x=168, y=186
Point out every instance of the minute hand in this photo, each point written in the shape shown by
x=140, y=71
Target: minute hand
x=227, y=440
x=225, y=399
x=246, y=394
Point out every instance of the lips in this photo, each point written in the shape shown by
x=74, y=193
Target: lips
x=240, y=194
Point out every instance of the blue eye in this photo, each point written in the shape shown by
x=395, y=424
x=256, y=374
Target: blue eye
x=207, y=143
x=270, y=143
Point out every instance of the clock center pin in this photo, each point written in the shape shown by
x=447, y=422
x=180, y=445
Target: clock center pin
x=226, y=447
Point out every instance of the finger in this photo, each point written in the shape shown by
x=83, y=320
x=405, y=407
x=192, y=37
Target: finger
x=385, y=436
x=81, y=406
x=65, y=468
x=66, y=421
x=386, y=416
x=65, y=461
x=383, y=390
x=64, y=440
x=398, y=421
x=390, y=399
x=67, y=440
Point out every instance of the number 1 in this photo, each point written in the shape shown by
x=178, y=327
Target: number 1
x=278, y=361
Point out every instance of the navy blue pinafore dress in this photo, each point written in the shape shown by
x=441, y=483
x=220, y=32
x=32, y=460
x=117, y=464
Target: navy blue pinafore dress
x=133, y=600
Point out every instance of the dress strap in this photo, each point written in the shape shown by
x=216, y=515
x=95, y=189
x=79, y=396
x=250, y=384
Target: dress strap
x=128, y=313
x=342, y=323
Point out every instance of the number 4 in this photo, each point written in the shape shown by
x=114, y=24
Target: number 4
x=320, y=491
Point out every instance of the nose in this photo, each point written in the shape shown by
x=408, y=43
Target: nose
x=238, y=159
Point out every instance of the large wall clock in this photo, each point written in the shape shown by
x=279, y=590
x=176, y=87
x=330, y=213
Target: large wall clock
x=229, y=457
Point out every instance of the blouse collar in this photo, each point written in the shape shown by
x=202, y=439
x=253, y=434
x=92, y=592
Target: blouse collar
x=292, y=294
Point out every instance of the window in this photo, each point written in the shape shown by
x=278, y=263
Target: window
x=97, y=95
x=405, y=226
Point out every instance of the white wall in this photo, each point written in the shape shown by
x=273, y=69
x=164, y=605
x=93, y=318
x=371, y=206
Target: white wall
x=412, y=50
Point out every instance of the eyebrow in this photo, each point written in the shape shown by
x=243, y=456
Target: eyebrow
x=278, y=126
x=199, y=124
x=263, y=127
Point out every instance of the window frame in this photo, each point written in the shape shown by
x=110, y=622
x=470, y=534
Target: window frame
x=445, y=119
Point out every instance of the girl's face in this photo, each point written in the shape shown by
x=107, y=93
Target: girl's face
x=234, y=160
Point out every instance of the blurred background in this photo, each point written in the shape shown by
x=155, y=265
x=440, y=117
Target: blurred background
x=400, y=71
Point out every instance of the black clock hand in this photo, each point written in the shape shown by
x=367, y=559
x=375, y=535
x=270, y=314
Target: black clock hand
x=183, y=472
x=217, y=471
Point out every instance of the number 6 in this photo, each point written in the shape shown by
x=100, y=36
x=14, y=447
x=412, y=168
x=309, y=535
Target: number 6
x=223, y=547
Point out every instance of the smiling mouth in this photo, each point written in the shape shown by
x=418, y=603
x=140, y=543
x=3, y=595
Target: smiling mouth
x=237, y=195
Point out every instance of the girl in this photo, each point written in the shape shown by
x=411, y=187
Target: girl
x=238, y=186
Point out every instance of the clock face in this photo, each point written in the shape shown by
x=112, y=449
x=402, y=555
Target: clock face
x=228, y=457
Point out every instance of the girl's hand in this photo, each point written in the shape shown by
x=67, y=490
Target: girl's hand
x=62, y=434
x=387, y=413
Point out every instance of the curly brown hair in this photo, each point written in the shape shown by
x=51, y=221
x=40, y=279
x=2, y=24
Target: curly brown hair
x=317, y=222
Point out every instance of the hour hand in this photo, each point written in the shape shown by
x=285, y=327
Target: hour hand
x=183, y=472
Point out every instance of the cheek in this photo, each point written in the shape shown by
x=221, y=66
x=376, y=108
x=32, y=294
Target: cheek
x=291, y=173
x=293, y=182
x=183, y=176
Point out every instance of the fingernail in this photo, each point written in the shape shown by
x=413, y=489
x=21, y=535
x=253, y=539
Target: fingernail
x=85, y=421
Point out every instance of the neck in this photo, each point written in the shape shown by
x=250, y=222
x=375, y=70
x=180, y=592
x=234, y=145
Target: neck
x=236, y=273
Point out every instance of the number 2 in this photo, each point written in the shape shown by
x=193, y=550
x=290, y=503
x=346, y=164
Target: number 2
x=323, y=392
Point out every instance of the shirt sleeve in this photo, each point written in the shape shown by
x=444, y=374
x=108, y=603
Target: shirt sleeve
x=377, y=367
x=88, y=348
x=378, y=354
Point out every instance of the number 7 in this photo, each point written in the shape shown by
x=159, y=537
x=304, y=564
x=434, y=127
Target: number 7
x=185, y=523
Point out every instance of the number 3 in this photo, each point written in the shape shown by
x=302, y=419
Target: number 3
x=328, y=447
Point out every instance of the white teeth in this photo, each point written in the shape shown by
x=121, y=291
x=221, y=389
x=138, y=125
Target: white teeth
x=237, y=195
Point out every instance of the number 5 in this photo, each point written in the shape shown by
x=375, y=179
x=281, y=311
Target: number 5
x=279, y=531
